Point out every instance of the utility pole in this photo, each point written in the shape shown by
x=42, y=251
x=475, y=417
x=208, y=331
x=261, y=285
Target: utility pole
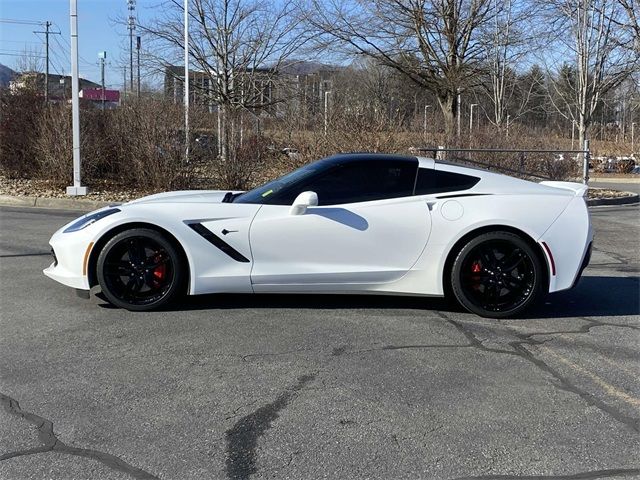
x=131, y=6
x=77, y=188
x=138, y=41
x=46, y=68
x=102, y=56
x=47, y=32
x=633, y=140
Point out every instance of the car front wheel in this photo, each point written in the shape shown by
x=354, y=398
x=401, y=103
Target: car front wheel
x=139, y=269
x=497, y=275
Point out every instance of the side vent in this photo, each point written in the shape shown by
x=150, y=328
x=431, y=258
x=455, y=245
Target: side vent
x=215, y=240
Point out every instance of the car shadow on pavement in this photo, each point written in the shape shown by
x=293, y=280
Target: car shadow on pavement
x=315, y=301
x=594, y=296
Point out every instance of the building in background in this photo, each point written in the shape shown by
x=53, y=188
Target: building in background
x=302, y=84
x=94, y=96
x=60, y=88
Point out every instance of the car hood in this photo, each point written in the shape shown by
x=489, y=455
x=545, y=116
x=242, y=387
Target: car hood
x=183, y=196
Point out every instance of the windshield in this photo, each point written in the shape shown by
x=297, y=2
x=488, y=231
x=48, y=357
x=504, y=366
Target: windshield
x=269, y=190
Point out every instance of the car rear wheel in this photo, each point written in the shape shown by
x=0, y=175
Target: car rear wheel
x=497, y=275
x=139, y=269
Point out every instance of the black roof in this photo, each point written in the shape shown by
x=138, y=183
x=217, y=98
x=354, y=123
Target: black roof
x=342, y=158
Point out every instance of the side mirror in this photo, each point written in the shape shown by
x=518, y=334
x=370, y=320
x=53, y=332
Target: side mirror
x=302, y=201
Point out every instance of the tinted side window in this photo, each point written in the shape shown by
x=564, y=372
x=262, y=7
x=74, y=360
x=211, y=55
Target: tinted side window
x=434, y=181
x=358, y=182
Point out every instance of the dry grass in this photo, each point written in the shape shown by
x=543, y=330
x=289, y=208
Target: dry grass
x=140, y=146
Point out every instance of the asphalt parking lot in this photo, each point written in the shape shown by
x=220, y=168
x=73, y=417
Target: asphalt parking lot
x=313, y=387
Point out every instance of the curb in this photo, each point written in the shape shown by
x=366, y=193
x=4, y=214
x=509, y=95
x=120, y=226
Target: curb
x=628, y=200
x=54, y=203
x=613, y=180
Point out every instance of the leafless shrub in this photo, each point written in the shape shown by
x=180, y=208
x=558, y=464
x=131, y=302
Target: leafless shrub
x=148, y=145
x=244, y=163
x=53, y=144
x=19, y=114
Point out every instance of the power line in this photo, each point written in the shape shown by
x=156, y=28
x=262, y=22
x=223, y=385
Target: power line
x=46, y=33
x=21, y=42
x=56, y=62
x=19, y=55
x=87, y=62
x=20, y=22
x=26, y=53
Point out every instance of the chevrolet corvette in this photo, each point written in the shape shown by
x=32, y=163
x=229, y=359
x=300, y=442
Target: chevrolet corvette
x=351, y=223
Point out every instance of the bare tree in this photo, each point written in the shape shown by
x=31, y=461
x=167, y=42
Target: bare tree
x=632, y=23
x=599, y=62
x=435, y=43
x=239, y=46
x=506, y=45
x=30, y=60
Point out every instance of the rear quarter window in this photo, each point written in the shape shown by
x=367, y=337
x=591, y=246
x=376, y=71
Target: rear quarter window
x=434, y=181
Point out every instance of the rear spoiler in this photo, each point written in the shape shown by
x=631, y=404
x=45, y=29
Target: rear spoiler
x=579, y=189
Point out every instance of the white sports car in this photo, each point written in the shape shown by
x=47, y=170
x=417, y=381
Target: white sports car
x=351, y=223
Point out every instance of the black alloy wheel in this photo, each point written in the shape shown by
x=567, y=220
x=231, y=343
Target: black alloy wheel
x=497, y=275
x=139, y=270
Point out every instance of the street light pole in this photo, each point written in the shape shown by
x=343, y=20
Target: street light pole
x=471, y=117
x=77, y=188
x=186, y=79
x=633, y=145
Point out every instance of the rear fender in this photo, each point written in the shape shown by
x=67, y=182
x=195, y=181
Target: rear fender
x=566, y=243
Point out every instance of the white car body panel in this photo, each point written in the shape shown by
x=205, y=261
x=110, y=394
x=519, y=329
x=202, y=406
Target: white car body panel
x=361, y=243
x=394, y=246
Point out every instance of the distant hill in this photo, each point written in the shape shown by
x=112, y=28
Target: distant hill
x=6, y=75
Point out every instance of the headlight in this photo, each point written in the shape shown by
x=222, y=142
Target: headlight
x=87, y=220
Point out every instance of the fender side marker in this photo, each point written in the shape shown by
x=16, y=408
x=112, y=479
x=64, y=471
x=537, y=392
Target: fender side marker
x=553, y=263
x=215, y=240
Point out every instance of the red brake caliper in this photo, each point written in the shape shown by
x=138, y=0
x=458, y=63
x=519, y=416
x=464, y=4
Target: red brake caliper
x=160, y=271
x=476, y=267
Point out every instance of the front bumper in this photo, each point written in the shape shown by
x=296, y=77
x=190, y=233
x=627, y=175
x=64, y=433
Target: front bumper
x=70, y=252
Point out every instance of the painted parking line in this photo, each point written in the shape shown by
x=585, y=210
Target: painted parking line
x=613, y=363
x=610, y=389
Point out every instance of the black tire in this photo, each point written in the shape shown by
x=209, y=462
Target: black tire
x=497, y=275
x=140, y=270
